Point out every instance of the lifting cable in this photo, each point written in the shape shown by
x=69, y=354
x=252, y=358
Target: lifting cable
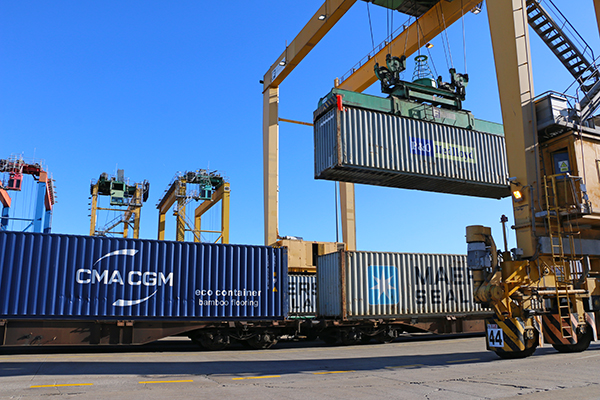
x=371, y=29
x=462, y=13
x=446, y=43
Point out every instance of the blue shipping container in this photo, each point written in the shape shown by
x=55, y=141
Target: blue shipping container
x=72, y=277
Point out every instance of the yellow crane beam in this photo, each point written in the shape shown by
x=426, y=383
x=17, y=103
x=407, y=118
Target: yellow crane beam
x=221, y=194
x=428, y=26
x=317, y=27
x=512, y=56
x=164, y=205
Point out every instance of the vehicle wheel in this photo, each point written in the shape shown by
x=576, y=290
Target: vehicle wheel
x=583, y=342
x=365, y=339
x=213, y=340
x=512, y=355
x=262, y=340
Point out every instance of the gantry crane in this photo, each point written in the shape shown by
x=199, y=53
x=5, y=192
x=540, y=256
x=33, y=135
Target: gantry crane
x=15, y=167
x=211, y=188
x=122, y=194
x=547, y=288
x=430, y=24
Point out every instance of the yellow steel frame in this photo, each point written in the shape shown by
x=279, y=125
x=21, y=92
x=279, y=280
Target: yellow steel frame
x=510, y=41
x=176, y=193
x=430, y=24
x=222, y=194
x=134, y=208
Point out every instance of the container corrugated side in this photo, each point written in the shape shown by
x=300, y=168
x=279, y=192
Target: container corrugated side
x=302, y=292
x=364, y=146
x=67, y=276
x=396, y=285
x=329, y=285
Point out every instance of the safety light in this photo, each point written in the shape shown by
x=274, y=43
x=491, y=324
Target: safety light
x=517, y=195
x=282, y=62
x=322, y=17
x=429, y=45
x=477, y=9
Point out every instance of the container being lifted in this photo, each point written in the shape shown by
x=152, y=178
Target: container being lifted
x=417, y=138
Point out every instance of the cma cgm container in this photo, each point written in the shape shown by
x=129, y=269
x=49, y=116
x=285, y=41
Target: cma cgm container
x=371, y=140
x=65, y=289
x=360, y=285
x=64, y=276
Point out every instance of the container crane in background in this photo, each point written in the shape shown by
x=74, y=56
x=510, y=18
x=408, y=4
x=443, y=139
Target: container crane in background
x=361, y=76
x=14, y=168
x=211, y=188
x=126, y=200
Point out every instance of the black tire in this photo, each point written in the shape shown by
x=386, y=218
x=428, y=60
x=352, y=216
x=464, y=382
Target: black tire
x=513, y=355
x=583, y=342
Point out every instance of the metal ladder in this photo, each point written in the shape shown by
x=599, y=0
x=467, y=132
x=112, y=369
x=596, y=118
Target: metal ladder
x=560, y=263
x=572, y=56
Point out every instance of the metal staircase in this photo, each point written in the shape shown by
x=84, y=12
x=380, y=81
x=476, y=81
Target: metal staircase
x=570, y=48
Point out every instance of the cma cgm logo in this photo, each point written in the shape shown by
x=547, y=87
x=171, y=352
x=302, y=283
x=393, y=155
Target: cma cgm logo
x=134, y=278
x=383, y=285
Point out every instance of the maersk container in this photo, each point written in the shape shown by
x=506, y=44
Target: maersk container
x=54, y=276
x=360, y=284
x=359, y=145
x=302, y=292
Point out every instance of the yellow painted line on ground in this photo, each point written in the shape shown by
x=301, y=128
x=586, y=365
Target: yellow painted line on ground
x=63, y=384
x=331, y=372
x=180, y=381
x=466, y=360
x=407, y=366
x=257, y=377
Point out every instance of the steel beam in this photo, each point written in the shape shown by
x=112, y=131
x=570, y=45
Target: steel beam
x=304, y=42
x=164, y=205
x=597, y=8
x=4, y=198
x=40, y=207
x=428, y=26
x=271, y=163
x=94, y=209
x=221, y=194
x=512, y=56
x=317, y=27
x=348, y=215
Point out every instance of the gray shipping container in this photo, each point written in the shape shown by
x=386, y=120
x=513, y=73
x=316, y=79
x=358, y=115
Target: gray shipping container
x=375, y=148
x=302, y=292
x=355, y=285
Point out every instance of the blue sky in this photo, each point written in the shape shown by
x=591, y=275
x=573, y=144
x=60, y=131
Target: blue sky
x=156, y=87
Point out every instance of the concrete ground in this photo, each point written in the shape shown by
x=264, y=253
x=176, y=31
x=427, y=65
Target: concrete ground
x=458, y=368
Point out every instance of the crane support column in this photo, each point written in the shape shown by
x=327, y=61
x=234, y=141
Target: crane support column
x=271, y=163
x=41, y=203
x=5, y=201
x=512, y=56
x=94, y=209
x=348, y=215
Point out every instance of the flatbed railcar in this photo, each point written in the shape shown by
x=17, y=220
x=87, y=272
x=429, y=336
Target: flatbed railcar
x=81, y=290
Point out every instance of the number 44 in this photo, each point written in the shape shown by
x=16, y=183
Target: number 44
x=495, y=337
